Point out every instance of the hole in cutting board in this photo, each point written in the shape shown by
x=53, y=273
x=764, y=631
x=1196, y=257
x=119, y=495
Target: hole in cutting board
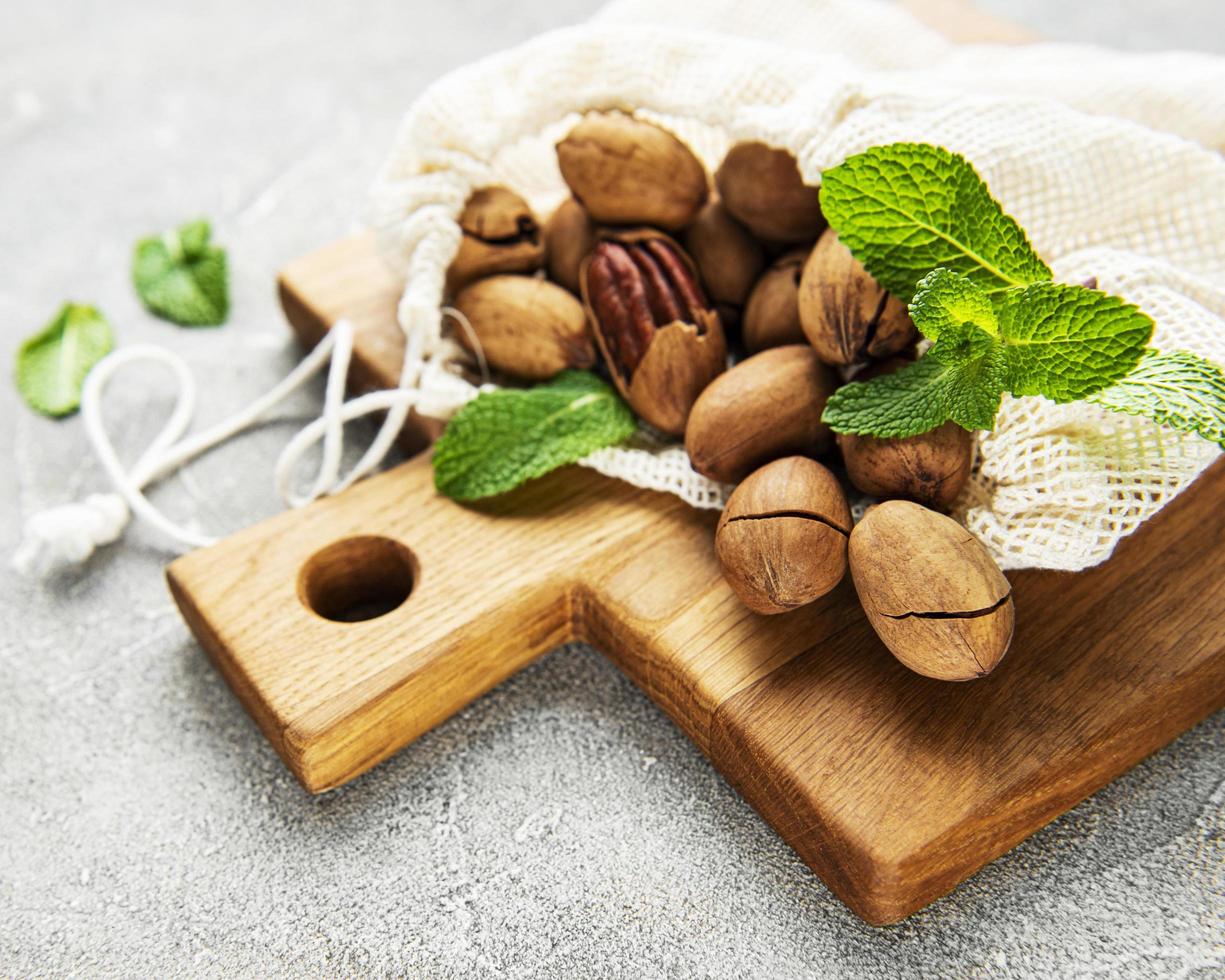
x=357, y=579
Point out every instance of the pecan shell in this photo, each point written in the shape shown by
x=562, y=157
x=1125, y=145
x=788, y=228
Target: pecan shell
x=500, y=235
x=661, y=339
x=847, y=315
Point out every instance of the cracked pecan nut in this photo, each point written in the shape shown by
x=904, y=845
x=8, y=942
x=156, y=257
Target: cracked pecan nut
x=659, y=336
x=846, y=314
x=932, y=592
x=782, y=538
x=500, y=235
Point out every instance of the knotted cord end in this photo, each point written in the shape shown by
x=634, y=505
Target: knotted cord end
x=64, y=537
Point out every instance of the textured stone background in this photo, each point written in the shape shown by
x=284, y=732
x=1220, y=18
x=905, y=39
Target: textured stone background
x=560, y=826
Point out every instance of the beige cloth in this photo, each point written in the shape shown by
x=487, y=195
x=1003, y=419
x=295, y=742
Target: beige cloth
x=1108, y=160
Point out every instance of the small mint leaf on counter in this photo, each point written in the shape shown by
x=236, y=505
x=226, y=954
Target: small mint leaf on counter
x=193, y=238
x=504, y=438
x=52, y=364
x=1065, y=342
x=907, y=208
x=182, y=278
x=1178, y=389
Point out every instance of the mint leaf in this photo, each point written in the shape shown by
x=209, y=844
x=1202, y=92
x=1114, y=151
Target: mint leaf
x=945, y=300
x=904, y=403
x=974, y=388
x=1063, y=342
x=193, y=238
x=916, y=399
x=1179, y=389
x=964, y=343
x=907, y=208
x=503, y=438
x=52, y=364
x=1066, y=342
x=180, y=277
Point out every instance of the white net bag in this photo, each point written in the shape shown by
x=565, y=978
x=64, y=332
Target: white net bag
x=1111, y=163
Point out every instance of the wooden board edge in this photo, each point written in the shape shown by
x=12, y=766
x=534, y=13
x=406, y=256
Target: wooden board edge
x=967, y=23
x=233, y=674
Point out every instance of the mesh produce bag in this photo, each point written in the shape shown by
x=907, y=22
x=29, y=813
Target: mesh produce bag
x=1111, y=162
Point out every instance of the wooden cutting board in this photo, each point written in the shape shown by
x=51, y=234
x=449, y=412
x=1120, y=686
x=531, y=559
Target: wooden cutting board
x=892, y=787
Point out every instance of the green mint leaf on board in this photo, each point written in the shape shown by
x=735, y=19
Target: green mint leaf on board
x=907, y=208
x=917, y=398
x=503, y=438
x=1179, y=389
x=51, y=365
x=1066, y=342
x=180, y=277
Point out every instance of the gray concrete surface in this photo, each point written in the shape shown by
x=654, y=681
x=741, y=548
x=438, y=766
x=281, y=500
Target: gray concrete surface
x=560, y=826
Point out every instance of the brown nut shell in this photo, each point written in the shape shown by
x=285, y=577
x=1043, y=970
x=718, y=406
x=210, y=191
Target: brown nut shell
x=627, y=171
x=931, y=469
x=659, y=336
x=931, y=590
x=766, y=407
x=728, y=258
x=845, y=313
x=569, y=236
x=500, y=235
x=772, y=315
x=762, y=188
x=526, y=327
x=782, y=539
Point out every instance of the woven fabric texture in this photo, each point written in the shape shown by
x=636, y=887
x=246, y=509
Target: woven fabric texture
x=1110, y=161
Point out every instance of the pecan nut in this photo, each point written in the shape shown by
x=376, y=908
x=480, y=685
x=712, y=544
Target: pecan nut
x=847, y=315
x=500, y=235
x=661, y=339
x=627, y=171
x=932, y=591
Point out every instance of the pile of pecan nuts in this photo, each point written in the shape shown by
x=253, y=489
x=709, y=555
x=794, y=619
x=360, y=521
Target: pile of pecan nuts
x=658, y=277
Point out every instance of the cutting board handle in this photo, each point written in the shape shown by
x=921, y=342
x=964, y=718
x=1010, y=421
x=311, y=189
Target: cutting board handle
x=352, y=626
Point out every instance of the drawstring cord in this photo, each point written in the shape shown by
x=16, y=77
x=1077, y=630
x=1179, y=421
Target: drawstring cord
x=67, y=535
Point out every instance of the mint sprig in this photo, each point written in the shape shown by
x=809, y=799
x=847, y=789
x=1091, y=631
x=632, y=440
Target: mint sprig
x=503, y=438
x=915, y=399
x=1066, y=342
x=182, y=278
x=908, y=208
x=1063, y=342
x=52, y=364
x=921, y=220
x=1176, y=389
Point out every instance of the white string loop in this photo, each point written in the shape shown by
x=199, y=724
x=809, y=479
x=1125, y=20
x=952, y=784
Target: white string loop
x=68, y=534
